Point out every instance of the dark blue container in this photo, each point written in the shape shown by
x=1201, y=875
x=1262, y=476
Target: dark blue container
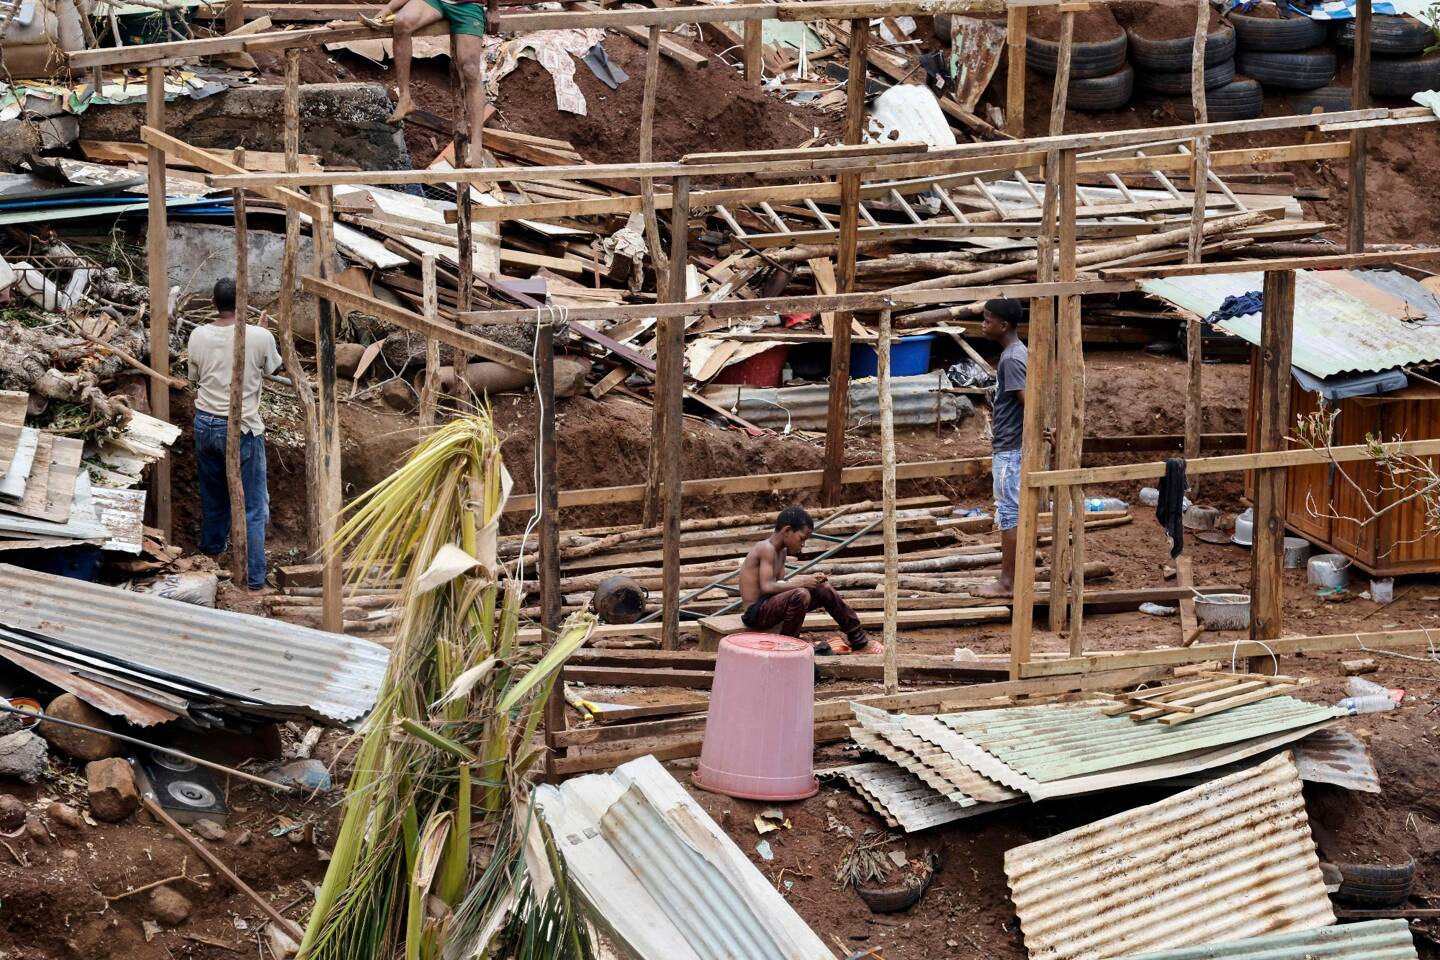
x=909, y=356
x=80, y=562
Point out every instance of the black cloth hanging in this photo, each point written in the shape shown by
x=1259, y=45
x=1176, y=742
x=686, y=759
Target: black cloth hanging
x=1170, y=511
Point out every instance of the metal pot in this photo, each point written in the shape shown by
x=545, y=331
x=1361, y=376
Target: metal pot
x=1224, y=611
x=619, y=600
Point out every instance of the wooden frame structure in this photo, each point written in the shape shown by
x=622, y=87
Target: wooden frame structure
x=1056, y=293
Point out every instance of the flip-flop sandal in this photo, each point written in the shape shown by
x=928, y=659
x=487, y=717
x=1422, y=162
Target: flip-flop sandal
x=872, y=649
x=823, y=649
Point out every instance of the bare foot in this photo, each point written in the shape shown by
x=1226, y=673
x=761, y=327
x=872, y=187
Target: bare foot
x=377, y=23
x=403, y=108
x=993, y=589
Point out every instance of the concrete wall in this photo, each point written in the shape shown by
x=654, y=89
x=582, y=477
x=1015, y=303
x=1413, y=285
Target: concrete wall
x=344, y=123
x=201, y=253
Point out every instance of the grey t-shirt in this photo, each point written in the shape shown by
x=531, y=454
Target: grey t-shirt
x=211, y=353
x=1008, y=415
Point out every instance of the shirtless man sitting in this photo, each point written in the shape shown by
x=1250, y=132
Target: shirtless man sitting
x=778, y=605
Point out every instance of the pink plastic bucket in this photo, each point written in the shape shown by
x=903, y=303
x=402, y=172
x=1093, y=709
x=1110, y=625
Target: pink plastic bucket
x=760, y=733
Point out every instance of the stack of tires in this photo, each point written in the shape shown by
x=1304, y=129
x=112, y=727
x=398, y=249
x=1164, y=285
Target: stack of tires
x=1287, y=53
x=1162, y=71
x=1100, y=79
x=1399, y=65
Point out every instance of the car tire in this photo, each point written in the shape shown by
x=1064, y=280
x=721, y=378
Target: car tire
x=1163, y=81
x=1327, y=99
x=1293, y=32
x=1397, y=36
x=1297, y=70
x=1240, y=99
x=1376, y=884
x=943, y=26
x=1090, y=58
x=1110, y=92
x=1175, y=55
x=1403, y=76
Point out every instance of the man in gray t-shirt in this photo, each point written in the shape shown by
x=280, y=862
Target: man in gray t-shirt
x=1001, y=324
x=211, y=357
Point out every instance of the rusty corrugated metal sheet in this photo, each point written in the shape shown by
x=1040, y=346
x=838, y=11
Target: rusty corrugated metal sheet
x=1334, y=331
x=266, y=663
x=1227, y=860
x=902, y=799
x=1339, y=758
x=916, y=401
x=105, y=699
x=1057, y=742
x=1371, y=940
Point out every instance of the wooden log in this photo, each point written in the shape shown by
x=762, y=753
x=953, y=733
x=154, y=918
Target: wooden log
x=550, y=598
x=1359, y=99
x=650, y=511
x=234, y=427
x=327, y=409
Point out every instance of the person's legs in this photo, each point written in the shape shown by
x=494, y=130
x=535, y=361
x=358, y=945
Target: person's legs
x=825, y=597
x=210, y=471
x=1005, y=483
x=414, y=15
x=784, y=613
x=257, y=506
x=470, y=56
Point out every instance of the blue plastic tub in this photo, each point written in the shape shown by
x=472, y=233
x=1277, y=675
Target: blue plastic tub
x=909, y=356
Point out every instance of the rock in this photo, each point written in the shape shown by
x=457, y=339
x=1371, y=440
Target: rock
x=12, y=813
x=242, y=838
x=398, y=396
x=113, y=795
x=209, y=830
x=23, y=754
x=36, y=831
x=570, y=375
x=79, y=744
x=347, y=359
x=1354, y=668
x=65, y=815
x=168, y=906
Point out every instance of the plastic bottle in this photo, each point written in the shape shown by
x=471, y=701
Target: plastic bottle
x=1375, y=703
x=1156, y=610
x=1149, y=496
x=1360, y=687
x=1097, y=504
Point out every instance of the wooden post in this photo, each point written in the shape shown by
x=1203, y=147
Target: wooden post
x=1359, y=100
x=549, y=504
x=158, y=270
x=323, y=239
x=1016, y=23
x=887, y=494
x=234, y=423
x=650, y=508
x=1068, y=571
x=838, y=409
x=1055, y=395
x=1199, y=183
x=1267, y=554
x=234, y=15
x=754, y=51
x=285, y=308
x=669, y=395
x=430, y=304
x=464, y=240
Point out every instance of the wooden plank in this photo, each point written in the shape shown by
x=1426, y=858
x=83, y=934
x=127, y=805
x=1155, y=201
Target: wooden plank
x=1219, y=159
x=712, y=629
x=1162, y=442
x=349, y=299
x=1016, y=35
x=1267, y=582
x=1185, y=579
x=670, y=405
x=1228, y=464
x=158, y=279
x=171, y=146
x=1264, y=693
x=117, y=151
x=753, y=51
x=1200, y=653
x=1341, y=261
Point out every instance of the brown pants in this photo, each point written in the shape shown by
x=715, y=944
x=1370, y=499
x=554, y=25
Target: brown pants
x=784, y=613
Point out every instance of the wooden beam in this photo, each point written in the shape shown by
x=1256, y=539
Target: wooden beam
x=1359, y=98
x=204, y=160
x=1339, y=261
x=669, y=399
x=1016, y=36
x=158, y=274
x=348, y=299
x=1267, y=583
x=754, y=51
x=1199, y=653
x=1229, y=464
x=551, y=600
x=322, y=231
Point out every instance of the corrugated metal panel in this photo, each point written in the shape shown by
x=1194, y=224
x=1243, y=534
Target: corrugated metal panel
x=1224, y=861
x=952, y=778
x=1334, y=332
x=248, y=658
x=1339, y=758
x=1410, y=290
x=933, y=730
x=662, y=878
x=105, y=699
x=1371, y=940
x=915, y=399
x=1053, y=743
x=902, y=799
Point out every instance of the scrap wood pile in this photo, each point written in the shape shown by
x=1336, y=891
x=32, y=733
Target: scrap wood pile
x=936, y=769
x=57, y=489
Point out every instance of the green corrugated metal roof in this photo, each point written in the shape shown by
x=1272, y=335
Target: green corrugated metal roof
x=1372, y=940
x=1052, y=743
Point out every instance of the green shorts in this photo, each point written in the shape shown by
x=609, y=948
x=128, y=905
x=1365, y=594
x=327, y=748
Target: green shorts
x=464, y=18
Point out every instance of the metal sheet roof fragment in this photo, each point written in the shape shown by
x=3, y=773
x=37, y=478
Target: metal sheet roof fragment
x=1371, y=940
x=1227, y=860
x=253, y=659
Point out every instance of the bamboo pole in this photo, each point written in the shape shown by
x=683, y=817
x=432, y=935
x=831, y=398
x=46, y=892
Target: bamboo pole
x=887, y=493
x=235, y=425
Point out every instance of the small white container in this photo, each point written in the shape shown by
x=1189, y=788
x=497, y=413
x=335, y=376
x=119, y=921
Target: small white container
x=1223, y=611
x=1382, y=591
x=1330, y=570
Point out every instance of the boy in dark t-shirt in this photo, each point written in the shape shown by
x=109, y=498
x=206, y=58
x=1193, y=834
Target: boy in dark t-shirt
x=1001, y=324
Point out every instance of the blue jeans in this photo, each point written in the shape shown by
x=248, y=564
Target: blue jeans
x=215, y=493
x=1005, y=484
